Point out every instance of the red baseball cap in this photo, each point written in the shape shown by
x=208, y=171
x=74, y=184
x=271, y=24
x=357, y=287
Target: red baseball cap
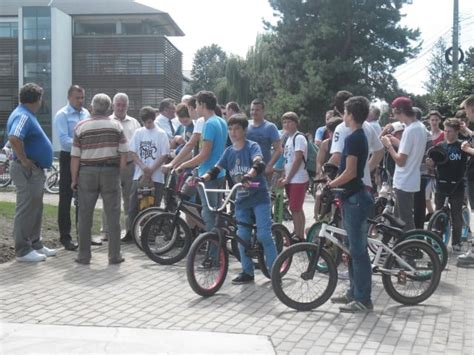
x=402, y=102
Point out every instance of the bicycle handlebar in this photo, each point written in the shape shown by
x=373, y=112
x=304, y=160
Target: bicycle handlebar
x=225, y=191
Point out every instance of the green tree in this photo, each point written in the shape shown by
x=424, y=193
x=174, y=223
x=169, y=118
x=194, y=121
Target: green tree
x=323, y=46
x=208, y=67
x=445, y=90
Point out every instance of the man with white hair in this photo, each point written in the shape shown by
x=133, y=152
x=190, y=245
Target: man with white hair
x=129, y=125
x=98, y=155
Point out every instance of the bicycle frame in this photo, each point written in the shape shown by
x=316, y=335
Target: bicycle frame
x=327, y=232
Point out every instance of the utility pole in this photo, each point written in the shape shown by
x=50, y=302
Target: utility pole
x=455, y=36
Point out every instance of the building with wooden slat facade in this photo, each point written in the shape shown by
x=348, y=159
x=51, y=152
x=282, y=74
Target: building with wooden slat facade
x=101, y=45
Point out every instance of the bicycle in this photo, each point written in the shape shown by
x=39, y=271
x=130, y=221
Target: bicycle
x=208, y=259
x=441, y=223
x=6, y=156
x=304, y=276
x=391, y=229
x=51, y=183
x=165, y=235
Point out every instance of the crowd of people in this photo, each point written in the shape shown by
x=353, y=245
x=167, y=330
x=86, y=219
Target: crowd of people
x=105, y=152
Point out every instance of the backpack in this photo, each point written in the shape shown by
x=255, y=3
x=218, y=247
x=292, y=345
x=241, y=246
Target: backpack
x=310, y=164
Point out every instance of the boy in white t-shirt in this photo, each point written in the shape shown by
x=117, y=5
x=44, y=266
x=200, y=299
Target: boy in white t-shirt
x=296, y=177
x=408, y=159
x=149, y=147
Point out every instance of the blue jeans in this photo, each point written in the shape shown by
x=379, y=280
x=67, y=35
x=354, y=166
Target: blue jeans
x=263, y=221
x=355, y=211
x=208, y=216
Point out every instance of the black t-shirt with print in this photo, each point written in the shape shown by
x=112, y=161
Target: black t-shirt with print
x=450, y=173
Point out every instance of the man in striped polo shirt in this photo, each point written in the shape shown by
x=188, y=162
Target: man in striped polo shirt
x=99, y=153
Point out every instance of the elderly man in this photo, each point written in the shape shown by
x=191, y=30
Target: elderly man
x=98, y=155
x=64, y=123
x=129, y=126
x=33, y=152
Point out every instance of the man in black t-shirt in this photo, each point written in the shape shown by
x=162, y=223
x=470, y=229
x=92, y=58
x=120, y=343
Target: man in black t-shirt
x=357, y=204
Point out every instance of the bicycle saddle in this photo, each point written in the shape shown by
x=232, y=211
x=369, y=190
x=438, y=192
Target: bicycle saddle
x=394, y=221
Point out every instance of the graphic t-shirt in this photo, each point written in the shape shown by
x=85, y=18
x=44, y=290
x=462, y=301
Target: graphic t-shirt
x=450, y=173
x=238, y=163
x=149, y=145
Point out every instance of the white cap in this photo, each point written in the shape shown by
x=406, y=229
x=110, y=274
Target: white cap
x=397, y=127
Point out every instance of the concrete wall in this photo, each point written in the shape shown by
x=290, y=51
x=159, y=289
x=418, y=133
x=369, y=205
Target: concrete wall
x=61, y=63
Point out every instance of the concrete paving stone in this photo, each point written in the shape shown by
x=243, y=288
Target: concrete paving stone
x=353, y=346
x=335, y=347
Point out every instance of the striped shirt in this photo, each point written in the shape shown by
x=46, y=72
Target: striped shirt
x=99, y=140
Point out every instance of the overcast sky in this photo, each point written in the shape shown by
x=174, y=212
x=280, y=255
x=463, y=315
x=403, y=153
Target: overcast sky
x=234, y=24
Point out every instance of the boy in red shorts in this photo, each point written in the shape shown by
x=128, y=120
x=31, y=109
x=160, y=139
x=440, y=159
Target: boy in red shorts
x=296, y=177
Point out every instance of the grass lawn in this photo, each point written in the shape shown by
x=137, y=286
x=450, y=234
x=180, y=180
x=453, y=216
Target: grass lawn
x=50, y=217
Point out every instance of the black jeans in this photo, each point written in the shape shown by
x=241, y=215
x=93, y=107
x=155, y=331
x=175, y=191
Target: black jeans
x=65, y=197
x=419, y=207
x=456, y=202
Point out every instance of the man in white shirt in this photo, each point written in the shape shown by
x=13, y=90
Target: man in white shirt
x=129, y=125
x=296, y=177
x=408, y=159
x=373, y=119
x=149, y=148
x=168, y=122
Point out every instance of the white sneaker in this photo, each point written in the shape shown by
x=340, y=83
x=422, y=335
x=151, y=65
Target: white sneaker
x=343, y=275
x=31, y=257
x=46, y=251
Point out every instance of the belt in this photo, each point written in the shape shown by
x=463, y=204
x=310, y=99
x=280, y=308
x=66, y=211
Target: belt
x=101, y=165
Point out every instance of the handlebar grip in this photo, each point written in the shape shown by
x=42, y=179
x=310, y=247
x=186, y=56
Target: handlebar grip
x=254, y=185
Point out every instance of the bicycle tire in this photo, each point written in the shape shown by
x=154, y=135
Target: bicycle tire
x=51, y=184
x=5, y=178
x=139, y=221
x=410, y=251
x=433, y=239
x=439, y=223
x=170, y=238
x=333, y=250
x=281, y=237
x=326, y=280
x=214, y=275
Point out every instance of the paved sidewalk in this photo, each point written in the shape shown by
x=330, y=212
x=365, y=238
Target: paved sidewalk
x=143, y=295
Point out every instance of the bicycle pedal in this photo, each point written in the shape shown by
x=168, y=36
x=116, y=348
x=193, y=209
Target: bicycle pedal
x=402, y=278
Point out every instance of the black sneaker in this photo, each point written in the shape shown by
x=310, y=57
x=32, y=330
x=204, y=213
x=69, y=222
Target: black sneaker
x=209, y=264
x=243, y=278
x=127, y=237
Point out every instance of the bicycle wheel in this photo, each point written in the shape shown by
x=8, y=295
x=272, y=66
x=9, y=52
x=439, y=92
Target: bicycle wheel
x=51, y=184
x=406, y=286
x=440, y=224
x=333, y=250
x=296, y=290
x=207, y=264
x=433, y=240
x=5, y=178
x=140, y=220
x=166, y=239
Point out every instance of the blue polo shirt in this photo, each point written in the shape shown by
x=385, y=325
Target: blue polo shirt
x=65, y=121
x=24, y=125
